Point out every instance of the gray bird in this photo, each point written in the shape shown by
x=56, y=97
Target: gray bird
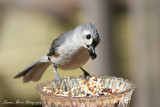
x=69, y=51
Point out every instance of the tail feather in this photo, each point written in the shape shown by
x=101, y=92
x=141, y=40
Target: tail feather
x=35, y=70
x=40, y=72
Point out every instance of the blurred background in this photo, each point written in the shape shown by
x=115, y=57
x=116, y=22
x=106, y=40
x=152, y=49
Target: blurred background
x=129, y=31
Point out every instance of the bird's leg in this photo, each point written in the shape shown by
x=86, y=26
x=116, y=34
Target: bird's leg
x=86, y=74
x=58, y=78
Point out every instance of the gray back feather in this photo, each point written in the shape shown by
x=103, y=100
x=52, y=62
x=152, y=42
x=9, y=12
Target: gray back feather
x=58, y=42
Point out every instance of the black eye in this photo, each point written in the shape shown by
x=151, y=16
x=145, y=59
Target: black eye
x=88, y=36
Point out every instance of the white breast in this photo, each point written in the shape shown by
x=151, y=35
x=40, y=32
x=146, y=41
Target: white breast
x=71, y=58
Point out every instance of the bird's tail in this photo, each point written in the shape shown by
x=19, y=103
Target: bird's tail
x=34, y=71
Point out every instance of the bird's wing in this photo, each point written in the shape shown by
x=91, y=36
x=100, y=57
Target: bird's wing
x=58, y=42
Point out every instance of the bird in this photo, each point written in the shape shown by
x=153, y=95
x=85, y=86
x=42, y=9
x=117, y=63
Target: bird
x=69, y=51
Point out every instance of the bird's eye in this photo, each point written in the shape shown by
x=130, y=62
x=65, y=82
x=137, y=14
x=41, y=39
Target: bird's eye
x=88, y=36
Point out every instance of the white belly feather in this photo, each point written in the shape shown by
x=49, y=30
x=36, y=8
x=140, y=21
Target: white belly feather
x=70, y=59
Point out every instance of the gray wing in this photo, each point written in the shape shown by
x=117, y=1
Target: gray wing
x=58, y=42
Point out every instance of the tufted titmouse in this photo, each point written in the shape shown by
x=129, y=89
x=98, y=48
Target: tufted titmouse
x=69, y=51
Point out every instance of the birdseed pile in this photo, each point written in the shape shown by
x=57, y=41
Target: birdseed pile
x=86, y=88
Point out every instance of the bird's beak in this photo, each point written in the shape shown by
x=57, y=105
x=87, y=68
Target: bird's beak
x=91, y=51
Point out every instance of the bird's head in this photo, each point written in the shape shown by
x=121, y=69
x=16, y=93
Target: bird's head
x=89, y=38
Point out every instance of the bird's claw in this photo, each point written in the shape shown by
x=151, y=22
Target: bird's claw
x=86, y=74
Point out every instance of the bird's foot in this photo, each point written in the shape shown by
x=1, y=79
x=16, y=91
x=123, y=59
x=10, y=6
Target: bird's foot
x=58, y=78
x=58, y=81
x=86, y=74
